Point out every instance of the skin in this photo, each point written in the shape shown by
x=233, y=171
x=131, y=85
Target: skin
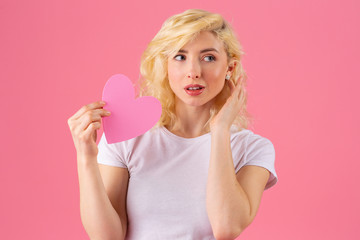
x=102, y=188
x=208, y=69
x=232, y=200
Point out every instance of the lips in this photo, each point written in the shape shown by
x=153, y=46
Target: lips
x=194, y=89
x=193, y=86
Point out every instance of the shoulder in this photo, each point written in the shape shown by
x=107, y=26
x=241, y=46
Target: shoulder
x=256, y=141
x=259, y=151
x=250, y=141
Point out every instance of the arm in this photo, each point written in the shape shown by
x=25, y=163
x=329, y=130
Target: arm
x=231, y=200
x=102, y=207
x=102, y=202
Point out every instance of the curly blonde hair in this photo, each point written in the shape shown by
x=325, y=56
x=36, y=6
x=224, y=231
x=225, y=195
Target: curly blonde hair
x=175, y=32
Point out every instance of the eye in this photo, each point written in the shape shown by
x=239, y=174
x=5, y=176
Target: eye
x=178, y=57
x=212, y=58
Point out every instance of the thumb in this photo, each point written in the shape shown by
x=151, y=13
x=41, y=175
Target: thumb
x=95, y=135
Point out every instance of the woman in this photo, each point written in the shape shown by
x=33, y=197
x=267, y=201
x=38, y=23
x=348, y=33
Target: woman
x=199, y=173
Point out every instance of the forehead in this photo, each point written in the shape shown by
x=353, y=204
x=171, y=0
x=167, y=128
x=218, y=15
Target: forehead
x=205, y=39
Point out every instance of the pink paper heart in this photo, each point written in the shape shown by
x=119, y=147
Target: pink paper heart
x=129, y=117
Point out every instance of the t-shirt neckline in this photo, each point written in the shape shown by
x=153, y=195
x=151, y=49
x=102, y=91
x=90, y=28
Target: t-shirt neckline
x=176, y=137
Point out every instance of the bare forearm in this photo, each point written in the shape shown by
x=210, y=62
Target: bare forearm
x=227, y=205
x=98, y=216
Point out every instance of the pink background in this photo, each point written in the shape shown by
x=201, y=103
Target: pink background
x=302, y=58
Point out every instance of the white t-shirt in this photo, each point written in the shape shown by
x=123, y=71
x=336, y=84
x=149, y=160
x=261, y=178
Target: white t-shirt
x=166, y=196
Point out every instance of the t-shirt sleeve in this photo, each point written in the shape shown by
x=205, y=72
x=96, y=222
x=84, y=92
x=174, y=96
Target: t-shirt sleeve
x=260, y=152
x=111, y=154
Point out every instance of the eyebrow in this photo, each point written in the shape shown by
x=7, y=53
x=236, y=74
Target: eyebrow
x=202, y=51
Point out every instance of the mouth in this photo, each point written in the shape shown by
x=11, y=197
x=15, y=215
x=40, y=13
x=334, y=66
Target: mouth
x=194, y=89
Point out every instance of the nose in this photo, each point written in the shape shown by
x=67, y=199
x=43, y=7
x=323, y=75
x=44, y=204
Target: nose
x=193, y=75
x=194, y=71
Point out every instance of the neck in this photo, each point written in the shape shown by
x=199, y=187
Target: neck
x=190, y=120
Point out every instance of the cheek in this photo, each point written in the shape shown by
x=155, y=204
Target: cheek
x=220, y=71
x=173, y=73
x=173, y=77
x=216, y=79
x=216, y=74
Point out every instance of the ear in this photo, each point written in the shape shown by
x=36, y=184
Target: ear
x=231, y=66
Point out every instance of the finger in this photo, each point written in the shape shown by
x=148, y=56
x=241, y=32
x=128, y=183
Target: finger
x=91, y=116
x=231, y=85
x=91, y=106
x=238, y=88
x=95, y=135
x=88, y=133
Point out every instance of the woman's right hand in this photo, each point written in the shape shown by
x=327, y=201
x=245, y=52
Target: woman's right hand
x=84, y=125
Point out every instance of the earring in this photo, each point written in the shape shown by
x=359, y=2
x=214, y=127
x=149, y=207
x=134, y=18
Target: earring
x=227, y=77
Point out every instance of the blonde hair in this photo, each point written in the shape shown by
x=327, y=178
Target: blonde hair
x=175, y=32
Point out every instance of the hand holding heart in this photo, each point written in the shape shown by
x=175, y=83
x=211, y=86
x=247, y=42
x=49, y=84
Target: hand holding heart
x=129, y=118
x=83, y=125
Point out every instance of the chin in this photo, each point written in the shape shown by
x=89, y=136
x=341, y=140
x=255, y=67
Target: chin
x=199, y=103
x=195, y=104
x=195, y=101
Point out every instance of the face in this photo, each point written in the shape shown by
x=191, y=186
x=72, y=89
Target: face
x=197, y=72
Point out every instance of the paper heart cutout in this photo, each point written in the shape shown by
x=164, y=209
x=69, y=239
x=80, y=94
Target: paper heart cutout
x=129, y=117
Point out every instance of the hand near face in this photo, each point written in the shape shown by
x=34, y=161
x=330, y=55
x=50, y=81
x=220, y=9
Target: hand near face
x=227, y=114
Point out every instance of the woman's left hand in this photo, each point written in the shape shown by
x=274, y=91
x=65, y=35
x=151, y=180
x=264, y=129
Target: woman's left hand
x=227, y=114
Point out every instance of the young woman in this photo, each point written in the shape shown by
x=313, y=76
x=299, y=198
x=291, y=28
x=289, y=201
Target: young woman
x=199, y=173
